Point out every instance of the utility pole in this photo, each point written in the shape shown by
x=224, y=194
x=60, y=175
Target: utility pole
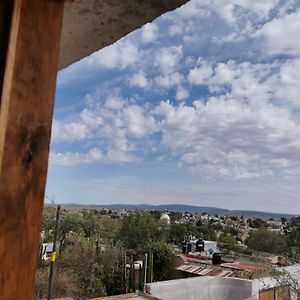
x=125, y=271
x=53, y=254
x=145, y=274
x=151, y=267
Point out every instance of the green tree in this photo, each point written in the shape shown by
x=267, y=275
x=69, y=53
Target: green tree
x=294, y=237
x=139, y=229
x=267, y=241
x=207, y=232
x=96, y=275
x=283, y=220
x=162, y=258
x=257, y=223
x=177, y=233
x=228, y=241
x=175, y=216
x=48, y=223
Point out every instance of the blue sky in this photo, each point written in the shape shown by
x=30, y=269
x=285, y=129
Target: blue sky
x=199, y=107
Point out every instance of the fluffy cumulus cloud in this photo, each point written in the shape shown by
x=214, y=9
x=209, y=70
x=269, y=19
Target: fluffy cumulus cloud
x=281, y=35
x=226, y=138
x=168, y=58
x=111, y=126
x=169, y=81
x=237, y=132
x=149, y=32
x=121, y=55
x=200, y=74
x=212, y=87
x=181, y=93
x=75, y=158
x=139, y=80
x=287, y=88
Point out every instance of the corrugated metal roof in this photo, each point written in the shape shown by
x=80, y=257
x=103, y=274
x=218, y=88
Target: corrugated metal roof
x=195, y=259
x=243, y=266
x=205, y=271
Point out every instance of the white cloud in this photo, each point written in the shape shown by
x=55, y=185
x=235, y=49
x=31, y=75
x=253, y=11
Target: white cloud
x=201, y=74
x=113, y=126
x=72, y=131
x=168, y=58
x=287, y=87
x=114, y=102
x=120, y=55
x=229, y=10
x=149, y=32
x=170, y=80
x=139, y=80
x=121, y=157
x=226, y=138
x=239, y=133
x=181, y=93
x=89, y=120
x=138, y=123
x=175, y=29
x=281, y=36
x=76, y=158
x=234, y=20
x=94, y=155
x=243, y=81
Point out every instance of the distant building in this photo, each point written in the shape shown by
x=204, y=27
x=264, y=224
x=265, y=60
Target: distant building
x=204, y=217
x=165, y=218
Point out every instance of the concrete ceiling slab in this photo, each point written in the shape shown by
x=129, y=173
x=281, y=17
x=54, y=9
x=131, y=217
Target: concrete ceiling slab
x=90, y=25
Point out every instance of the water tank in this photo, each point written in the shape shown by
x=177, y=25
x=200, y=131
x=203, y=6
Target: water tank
x=184, y=247
x=216, y=259
x=189, y=247
x=199, y=245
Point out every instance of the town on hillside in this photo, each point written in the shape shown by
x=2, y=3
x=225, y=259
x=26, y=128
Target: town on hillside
x=120, y=253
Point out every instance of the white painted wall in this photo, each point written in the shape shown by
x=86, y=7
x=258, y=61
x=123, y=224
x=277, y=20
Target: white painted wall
x=201, y=288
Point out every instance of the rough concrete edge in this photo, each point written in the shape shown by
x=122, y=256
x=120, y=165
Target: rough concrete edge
x=64, y=66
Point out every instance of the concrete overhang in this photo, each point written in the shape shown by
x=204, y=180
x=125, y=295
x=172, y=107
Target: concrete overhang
x=90, y=25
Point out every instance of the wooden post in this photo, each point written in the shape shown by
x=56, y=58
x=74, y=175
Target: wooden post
x=25, y=125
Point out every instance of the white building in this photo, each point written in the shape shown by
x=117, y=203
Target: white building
x=213, y=288
x=165, y=218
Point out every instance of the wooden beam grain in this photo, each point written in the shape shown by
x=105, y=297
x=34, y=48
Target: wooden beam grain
x=25, y=127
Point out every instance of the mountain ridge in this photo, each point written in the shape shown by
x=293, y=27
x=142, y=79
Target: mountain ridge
x=187, y=208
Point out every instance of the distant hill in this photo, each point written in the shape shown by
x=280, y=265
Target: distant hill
x=189, y=208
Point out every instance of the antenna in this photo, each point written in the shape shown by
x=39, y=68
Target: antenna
x=50, y=199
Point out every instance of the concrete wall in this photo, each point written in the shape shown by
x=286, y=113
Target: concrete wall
x=201, y=288
x=90, y=25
